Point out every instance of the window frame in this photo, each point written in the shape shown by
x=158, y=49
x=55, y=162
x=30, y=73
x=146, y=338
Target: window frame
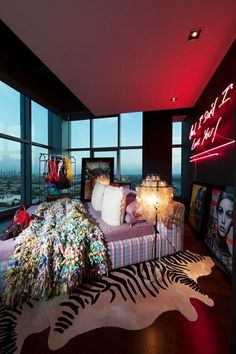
x=26, y=150
x=116, y=149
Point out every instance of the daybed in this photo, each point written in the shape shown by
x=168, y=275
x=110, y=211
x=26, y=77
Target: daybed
x=128, y=243
x=133, y=243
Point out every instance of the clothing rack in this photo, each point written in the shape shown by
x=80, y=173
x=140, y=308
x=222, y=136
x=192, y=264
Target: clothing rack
x=43, y=173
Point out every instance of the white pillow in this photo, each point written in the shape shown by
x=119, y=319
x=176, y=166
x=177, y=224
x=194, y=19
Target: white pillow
x=113, y=206
x=97, y=196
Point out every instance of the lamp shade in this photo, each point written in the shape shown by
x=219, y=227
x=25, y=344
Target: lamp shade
x=154, y=198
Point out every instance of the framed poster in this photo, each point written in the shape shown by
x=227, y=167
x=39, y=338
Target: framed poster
x=219, y=236
x=95, y=169
x=197, y=208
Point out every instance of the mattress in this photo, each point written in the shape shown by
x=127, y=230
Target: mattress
x=121, y=232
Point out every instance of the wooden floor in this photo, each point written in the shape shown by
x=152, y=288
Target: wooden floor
x=171, y=333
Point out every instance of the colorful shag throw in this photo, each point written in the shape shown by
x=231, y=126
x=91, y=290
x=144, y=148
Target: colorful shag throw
x=60, y=249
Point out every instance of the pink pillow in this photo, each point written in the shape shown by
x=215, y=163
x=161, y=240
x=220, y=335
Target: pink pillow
x=130, y=197
x=132, y=213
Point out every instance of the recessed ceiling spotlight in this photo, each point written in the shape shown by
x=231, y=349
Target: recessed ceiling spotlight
x=194, y=34
x=173, y=99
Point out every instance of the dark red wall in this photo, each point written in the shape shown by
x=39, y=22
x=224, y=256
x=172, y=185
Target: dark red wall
x=216, y=170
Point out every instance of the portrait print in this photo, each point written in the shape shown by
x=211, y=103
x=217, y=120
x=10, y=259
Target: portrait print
x=197, y=207
x=220, y=227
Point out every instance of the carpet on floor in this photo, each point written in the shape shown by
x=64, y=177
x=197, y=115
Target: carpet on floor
x=130, y=298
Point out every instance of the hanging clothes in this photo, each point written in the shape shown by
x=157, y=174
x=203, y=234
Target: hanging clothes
x=52, y=175
x=68, y=169
x=59, y=173
x=63, y=182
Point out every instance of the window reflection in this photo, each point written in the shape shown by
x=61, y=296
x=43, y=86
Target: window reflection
x=105, y=132
x=80, y=136
x=9, y=110
x=131, y=166
x=131, y=129
x=10, y=174
x=39, y=123
x=176, y=157
x=38, y=173
x=78, y=155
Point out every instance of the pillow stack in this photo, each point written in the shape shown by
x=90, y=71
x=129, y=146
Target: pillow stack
x=97, y=196
x=111, y=201
x=113, y=206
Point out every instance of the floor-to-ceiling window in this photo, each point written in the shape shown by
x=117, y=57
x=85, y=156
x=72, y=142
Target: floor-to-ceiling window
x=120, y=137
x=131, y=151
x=10, y=173
x=24, y=136
x=176, y=157
x=10, y=147
x=39, y=138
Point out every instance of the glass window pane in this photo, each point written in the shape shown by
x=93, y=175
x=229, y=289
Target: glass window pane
x=10, y=174
x=177, y=133
x=108, y=154
x=176, y=170
x=105, y=132
x=131, y=129
x=39, y=123
x=39, y=170
x=80, y=134
x=78, y=155
x=131, y=166
x=9, y=110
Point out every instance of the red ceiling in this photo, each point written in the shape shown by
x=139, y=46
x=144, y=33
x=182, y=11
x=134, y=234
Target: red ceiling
x=126, y=55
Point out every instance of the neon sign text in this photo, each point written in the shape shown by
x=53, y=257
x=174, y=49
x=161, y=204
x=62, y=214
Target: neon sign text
x=210, y=114
x=208, y=133
x=211, y=127
x=204, y=157
x=205, y=154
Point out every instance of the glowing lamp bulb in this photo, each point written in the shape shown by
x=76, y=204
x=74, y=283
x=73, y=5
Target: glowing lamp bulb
x=152, y=199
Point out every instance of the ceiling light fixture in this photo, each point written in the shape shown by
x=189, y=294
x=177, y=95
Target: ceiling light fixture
x=173, y=99
x=194, y=34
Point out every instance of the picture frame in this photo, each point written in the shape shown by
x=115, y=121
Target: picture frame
x=198, y=208
x=125, y=185
x=94, y=169
x=219, y=236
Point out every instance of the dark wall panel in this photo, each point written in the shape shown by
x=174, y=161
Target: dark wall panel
x=157, y=144
x=20, y=68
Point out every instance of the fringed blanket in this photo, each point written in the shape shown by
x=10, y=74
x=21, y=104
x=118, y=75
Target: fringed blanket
x=60, y=248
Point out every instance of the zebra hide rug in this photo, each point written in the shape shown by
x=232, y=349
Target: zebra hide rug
x=130, y=298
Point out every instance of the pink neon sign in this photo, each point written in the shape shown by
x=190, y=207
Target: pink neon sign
x=204, y=157
x=213, y=129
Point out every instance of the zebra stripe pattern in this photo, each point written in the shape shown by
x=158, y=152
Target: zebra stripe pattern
x=130, y=283
x=124, y=286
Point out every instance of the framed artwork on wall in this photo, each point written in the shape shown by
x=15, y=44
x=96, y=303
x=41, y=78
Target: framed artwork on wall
x=197, y=209
x=93, y=170
x=219, y=237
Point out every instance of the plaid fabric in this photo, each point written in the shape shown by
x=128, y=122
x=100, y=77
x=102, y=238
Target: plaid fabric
x=173, y=229
x=169, y=240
